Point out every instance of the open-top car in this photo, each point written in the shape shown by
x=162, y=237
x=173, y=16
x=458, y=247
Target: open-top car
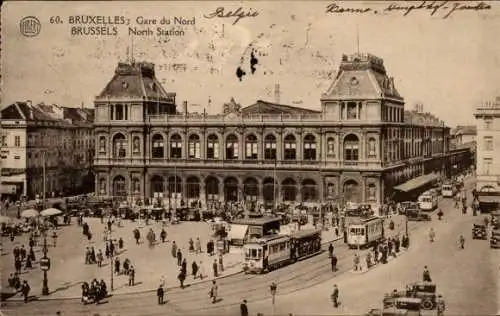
x=479, y=231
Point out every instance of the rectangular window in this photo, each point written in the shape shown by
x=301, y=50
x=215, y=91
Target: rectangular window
x=488, y=162
x=17, y=141
x=488, y=143
x=488, y=122
x=4, y=141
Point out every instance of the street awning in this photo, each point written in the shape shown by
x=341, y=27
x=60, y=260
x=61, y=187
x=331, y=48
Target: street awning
x=489, y=199
x=417, y=182
x=237, y=232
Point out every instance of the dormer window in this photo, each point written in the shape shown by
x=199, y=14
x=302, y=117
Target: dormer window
x=153, y=86
x=124, y=84
x=354, y=81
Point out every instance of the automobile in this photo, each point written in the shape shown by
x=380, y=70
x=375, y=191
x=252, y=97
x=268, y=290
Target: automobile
x=402, y=306
x=495, y=219
x=425, y=291
x=479, y=231
x=495, y=239
x=416, y=214
x=407, y=205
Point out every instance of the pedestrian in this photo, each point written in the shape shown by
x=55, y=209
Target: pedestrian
x=426, y=275
x=131, y=276
x=106, y=251
x=28, y=263
x=330, y=250
x=356, y=262
x=163, y=235
x=25, y=289
x=117, y=265
x=111, y=248
x=191, y=245
x=244, y=308
x=273, y=289
x=54, y=239
x=160, y=293
x=368, y=260
x=18, y=265
x=440, y=305
x=184, y=266
x=198, y=245
x=213, y=292
x=179, y=257
x=99, y=258
x=120, y=243
x=137, y=235
x=214, y=266
x=194, y=268
x=462, y=241
x=221, y=263
x=181, y=277
x=201, y=270
x=333, y=262
x=174, y=249
x=335, y=296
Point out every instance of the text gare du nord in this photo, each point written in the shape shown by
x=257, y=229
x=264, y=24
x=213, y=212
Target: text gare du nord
x=138, y=31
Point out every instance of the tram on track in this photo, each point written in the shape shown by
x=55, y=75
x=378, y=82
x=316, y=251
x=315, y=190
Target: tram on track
x=275, y=251
x=364, y=232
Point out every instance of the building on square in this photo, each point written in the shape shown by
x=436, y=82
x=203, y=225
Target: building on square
x=34, y=135
x=488, y=144
x=358, y=146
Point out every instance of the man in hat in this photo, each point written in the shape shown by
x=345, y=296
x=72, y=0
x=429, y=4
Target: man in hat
x=244, y=308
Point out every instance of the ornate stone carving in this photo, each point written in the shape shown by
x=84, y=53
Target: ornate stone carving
x=231, y=107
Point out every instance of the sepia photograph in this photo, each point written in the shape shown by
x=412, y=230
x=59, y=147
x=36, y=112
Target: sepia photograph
x=250, y=158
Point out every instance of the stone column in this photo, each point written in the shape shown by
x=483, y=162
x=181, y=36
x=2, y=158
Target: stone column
x=260, y=193
x=299, y=192
x=260, y=145
x=221, y=191
x=203, y=195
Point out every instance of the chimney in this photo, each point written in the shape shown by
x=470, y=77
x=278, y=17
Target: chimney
x=30, y=109
x=185, y=107
x=277, y=93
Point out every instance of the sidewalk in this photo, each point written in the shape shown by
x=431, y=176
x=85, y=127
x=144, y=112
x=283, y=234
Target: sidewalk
x=68, y=270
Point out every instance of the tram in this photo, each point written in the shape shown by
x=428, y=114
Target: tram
x=274, y=251
x=428, y=201
x=364, y=232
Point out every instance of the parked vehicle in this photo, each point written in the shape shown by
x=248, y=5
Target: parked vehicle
x=425, y=291
x=479, y=231
x=495, y=239
x=407, y=205
x=416, y=214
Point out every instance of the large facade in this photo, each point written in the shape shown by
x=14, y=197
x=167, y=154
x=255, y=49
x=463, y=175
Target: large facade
x=488, y=145
x=61, y=138
x=356, y=147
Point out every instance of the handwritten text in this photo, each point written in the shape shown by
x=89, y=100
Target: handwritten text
x=238, y=14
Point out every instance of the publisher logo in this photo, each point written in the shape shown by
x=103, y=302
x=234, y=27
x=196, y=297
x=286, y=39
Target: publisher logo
x=30, y=26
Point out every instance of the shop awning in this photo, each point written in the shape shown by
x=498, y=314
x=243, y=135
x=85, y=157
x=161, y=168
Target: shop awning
x=489, y=198
x=237, y=232
x=417, y=182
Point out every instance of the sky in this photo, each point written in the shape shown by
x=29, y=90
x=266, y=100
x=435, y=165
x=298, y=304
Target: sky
x=450, y=65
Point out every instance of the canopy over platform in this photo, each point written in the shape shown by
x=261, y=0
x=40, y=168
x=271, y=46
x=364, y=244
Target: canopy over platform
x=417, y=182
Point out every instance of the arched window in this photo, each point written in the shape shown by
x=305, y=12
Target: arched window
x=270, y=147
x=194, y=147
x=371, y=148
x=251, y=189
x=330, y=147
x=119, y=145
x=157, y=185
x=158, y=146
x=289, y=188
x=212, y=147
x=176, y=146
x=290, y=147
x=119, y=187
x=102, y=144
x=212, y=188
x=193, y=188
x=351, y=148
x=309, y=147
x=251, y=147
x=309, y=190
x=232, y=151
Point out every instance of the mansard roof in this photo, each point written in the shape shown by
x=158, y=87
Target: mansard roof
x=47, y=112
x=362, y=76
x=135, y=81
x=264, y=107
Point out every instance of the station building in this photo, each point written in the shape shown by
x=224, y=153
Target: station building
x=357, y=146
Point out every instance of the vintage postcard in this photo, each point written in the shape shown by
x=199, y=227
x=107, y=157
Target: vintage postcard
x=250, y=158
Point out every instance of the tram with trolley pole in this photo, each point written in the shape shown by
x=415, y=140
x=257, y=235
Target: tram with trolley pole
x=271, y=252
x=364, y=232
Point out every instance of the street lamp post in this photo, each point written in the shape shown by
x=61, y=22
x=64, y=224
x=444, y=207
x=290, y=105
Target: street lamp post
x=45, y=264
x=110, y=240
